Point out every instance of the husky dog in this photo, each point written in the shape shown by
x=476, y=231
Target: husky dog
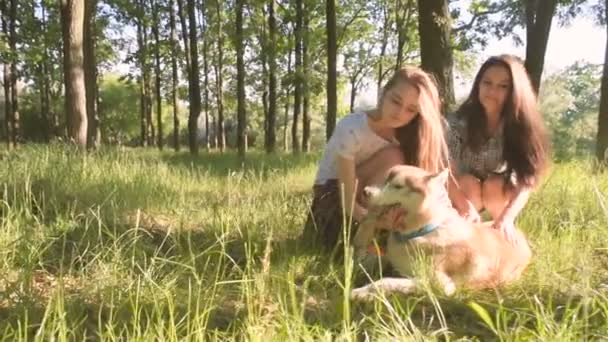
x=460, y=253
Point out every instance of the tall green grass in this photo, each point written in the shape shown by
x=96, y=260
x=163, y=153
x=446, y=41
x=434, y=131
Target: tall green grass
x=147, y=245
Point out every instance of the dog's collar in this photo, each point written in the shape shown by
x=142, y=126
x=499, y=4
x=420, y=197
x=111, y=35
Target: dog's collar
x=426, y=229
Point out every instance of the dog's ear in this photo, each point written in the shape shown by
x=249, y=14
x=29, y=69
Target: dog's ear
x=440, y=178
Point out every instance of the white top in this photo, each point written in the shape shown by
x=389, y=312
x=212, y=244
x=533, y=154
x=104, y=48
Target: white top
x=352, y=139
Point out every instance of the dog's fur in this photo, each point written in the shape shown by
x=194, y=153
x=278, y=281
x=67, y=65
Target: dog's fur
x=461, y=253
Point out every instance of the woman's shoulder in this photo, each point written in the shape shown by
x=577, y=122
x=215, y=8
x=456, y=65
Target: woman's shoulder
x=352, y=120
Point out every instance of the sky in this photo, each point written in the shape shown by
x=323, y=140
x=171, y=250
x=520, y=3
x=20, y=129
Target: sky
x=583, y=40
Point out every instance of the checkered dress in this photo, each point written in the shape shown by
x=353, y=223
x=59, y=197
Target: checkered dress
x=482, y=163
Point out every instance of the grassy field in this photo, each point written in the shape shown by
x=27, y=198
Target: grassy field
x=143, y=245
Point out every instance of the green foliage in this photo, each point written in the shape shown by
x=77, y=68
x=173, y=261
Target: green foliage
x=570, y=103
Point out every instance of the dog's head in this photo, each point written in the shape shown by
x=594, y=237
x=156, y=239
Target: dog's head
x=409, y=187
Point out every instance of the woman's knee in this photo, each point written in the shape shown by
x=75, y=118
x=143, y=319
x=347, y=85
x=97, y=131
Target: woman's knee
x=471, y=187
x=389, y=156
x=495, y=194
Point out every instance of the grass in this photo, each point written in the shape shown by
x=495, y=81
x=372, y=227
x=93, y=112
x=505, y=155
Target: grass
x=147, y=245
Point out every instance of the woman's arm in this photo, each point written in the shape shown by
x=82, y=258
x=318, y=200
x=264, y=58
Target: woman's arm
x=516, y=203
x=459, y=200
x=348, y=179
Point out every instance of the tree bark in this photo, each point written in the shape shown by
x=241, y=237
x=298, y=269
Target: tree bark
x=159, y=111
x=90, y=69
x=142, y=81
x=47, y=112
x=219, y=71
x=434, y=27
x=297, y=94
x=602, y=121
x=271, y=139
x=240, y=82
x=74, y=79
x=383, y=46
x=539, y=15
x=15, y=121
x=332, y=74
x=203, y=23
x=195, y=87
x=404, y=15
x=174, y=75
x=8, y=108
x=287, y=104
x=305, y=82
x=184, y=25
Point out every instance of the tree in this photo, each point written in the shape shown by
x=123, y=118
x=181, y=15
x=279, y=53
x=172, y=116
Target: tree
x=75, y=94
x=6, y=74
x=90, y=69
x=157, y=76
x=332, y=74
x=194, y=81
x=434, y=27
x=174, y=75
x=240, y=88
x=14, y=101
x=602, y=119
x=539, y=15
x=269, y=134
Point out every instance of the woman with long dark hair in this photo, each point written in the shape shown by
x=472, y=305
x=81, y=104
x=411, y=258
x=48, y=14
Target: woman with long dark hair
x=498, y=145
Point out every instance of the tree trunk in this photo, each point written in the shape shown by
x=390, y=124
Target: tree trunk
x=271, y=139
x=404, y=14
x=174, y=76
x=142, y=80
x=297, y=94
x=219, y=70
x=353, y=93
x=73, y=61
x=151, y=138
x=241, y=128
x=203, y=21
x=305, y=82
x=383, y=45
x=159, y=108
x=434, y=28
x=184, y=25
x=602, y=121
x=13, y=79
x=90, y=69
x=49, y=128
x=194, y=84
x=332, y=74
x=39, y=81
x=539, y=15
x=8, y=108
x=287, y=104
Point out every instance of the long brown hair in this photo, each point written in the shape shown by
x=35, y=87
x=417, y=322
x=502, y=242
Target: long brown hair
x=525, y=147
x=422, y=140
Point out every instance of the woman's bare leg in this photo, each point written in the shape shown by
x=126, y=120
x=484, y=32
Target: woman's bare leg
x=495, y=195
x=471, y=188
x=374, y=170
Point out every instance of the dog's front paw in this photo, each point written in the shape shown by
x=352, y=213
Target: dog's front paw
x=363, y=294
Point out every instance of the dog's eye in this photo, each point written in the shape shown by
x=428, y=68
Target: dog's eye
x=397, y=186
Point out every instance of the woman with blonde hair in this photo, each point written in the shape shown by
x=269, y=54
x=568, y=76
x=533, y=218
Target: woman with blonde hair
x=405, y=128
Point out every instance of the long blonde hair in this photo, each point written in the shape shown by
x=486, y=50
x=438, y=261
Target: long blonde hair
x=422, y=140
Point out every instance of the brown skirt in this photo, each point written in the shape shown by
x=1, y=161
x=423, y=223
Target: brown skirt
x=325, y=222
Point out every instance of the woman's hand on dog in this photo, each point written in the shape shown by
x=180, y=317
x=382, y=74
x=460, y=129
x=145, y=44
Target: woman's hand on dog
x=507, y=227
x=470, y=213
